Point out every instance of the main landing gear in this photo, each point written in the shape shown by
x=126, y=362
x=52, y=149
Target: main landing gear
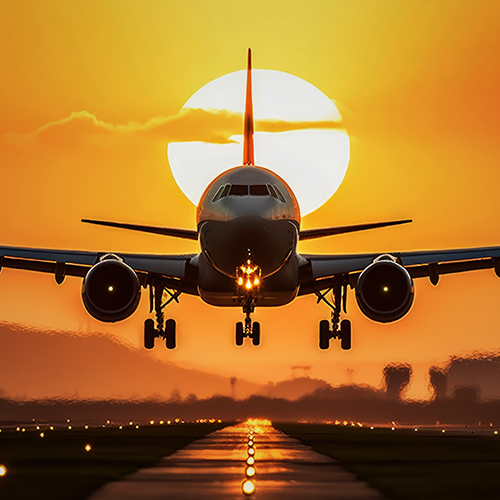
x=163, y=329
x=334, y=329
x=248, y=329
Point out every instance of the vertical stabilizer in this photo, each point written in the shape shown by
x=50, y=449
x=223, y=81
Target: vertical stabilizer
x=248, y=158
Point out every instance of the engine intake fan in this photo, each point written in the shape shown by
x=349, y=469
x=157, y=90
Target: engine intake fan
x=384, y=290
x=111, y=290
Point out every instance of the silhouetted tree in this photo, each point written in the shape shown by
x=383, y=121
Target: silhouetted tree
x=397, y=377
x=467, y=394
x=438, y=381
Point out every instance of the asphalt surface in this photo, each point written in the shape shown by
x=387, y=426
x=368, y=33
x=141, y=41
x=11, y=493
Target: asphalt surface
x=215, y=468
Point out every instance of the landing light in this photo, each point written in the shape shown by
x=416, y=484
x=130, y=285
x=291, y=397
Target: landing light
x=110, y=288
x=248, y=487
x=88, y=447
x=386, y=289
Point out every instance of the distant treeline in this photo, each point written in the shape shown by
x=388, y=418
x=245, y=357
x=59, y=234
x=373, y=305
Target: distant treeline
x=349, y=402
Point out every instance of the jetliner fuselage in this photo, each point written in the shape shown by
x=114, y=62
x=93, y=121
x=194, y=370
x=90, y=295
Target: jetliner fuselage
x=248, y=216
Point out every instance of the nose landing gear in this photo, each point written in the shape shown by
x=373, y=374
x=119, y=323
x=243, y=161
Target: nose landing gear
x=248, y=329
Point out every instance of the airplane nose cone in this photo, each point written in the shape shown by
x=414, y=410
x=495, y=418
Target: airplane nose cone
x=227, y=244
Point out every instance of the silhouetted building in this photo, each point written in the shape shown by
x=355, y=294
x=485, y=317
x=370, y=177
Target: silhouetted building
x=438, y=381
x=397, y=377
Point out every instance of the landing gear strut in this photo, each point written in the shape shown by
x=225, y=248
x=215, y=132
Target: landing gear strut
x=334, y=329
x=248, y=329
x=162, y=329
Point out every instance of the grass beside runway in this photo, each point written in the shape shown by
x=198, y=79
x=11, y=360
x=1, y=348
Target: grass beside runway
x=57, y=467
x=408, y=465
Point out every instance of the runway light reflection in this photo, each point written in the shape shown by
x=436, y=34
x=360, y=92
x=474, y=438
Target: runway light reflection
x=250, y=461
x=248, y=487
x=251, y=451
x=250, y=471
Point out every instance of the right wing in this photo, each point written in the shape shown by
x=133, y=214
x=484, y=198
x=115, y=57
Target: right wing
x=175, y=269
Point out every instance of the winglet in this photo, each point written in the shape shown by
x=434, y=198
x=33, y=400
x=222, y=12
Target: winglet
x=248, y=158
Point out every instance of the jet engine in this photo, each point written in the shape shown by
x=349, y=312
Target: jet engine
x=111, y=290
x=384, y=290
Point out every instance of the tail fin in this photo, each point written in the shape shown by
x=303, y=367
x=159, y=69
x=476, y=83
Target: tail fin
x=248, y=158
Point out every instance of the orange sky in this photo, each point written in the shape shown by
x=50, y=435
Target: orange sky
x=417, y=84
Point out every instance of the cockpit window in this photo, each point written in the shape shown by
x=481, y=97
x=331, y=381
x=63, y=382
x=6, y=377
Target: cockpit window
x=278, y=192
x=218, y=194
x=245, y=190
x=238, y=190
x=258, y=190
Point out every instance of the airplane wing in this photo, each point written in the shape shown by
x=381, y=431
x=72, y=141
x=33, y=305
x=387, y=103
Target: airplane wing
x=321, y=270
x=61, y=263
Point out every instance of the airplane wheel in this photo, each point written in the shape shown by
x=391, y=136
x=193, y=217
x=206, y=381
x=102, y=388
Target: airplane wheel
x=345, y=335
x=170, y=333
x=256, y=334
x=239, y=333
x=149, y=334
x=324, y=334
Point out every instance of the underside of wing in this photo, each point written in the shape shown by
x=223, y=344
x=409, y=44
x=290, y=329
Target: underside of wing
x=321, y=270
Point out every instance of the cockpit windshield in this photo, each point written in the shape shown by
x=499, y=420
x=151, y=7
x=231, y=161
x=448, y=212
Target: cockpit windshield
x=248, y=190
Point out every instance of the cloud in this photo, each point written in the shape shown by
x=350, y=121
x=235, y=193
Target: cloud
x=189, y=125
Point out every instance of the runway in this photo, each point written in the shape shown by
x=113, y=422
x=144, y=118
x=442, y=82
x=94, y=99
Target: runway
x=215, y=468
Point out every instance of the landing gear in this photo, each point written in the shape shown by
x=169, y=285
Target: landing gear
x=248, y=329
x=164, y=330
x=334, y=329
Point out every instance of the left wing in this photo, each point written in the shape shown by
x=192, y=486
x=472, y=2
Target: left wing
x=61, y=263
x=320, y=270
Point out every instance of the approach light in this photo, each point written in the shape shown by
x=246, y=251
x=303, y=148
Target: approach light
x=121, y=427
x=3, y=470
x=248, y=285
x=51, y=427
x=248, y=487
x=251, y=451
x=495, y=432
x=86, y=427
x=416, y=430
x=42, y=434
x=88, y=447
x=443, y=431
x=110, y=288
x=371, y=428
x=23, y=430
x=68, y=420
x=136, y=426
x=18, y=429
x=37, y=427
x=250, y=461
x=152, y=422
x=161, y=422
x=250, y=471
x=131, y=423
x=386, y=288
x=393, y=428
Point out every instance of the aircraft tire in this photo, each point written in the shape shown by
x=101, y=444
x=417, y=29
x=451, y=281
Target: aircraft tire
x=345, y=335
x=256, y=334
x=239, y=333
x=149, y=334
x=324, y=334
x=170, y=333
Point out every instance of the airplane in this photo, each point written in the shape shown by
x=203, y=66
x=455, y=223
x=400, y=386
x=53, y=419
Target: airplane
x=248, y=227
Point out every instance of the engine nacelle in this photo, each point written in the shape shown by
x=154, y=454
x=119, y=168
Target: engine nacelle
x=111, y=290
x=384, y=290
